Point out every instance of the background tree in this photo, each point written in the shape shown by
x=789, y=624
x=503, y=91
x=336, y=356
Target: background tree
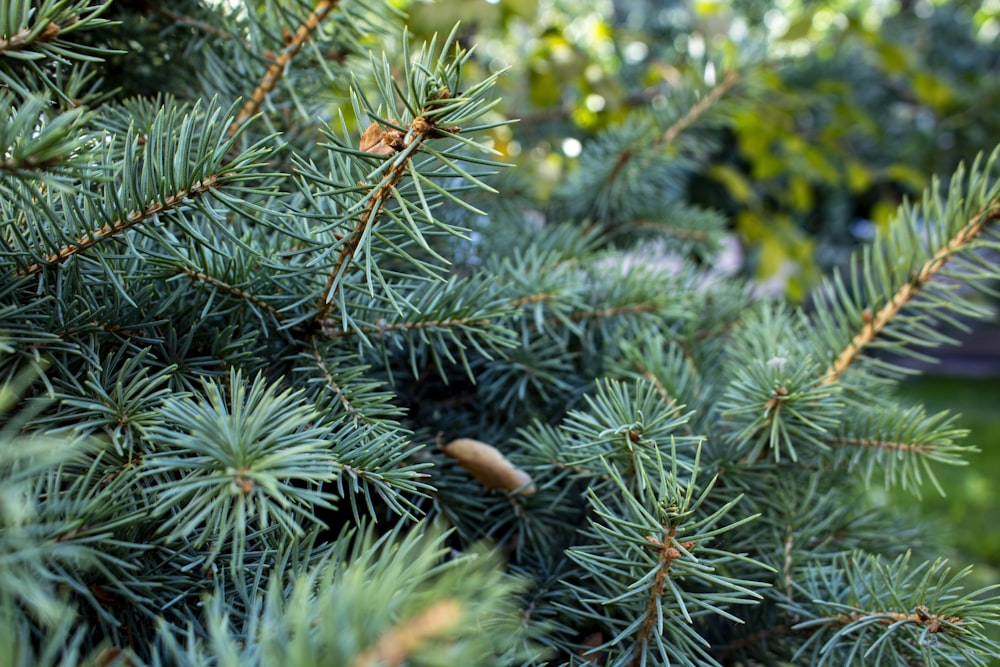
x=276, y=392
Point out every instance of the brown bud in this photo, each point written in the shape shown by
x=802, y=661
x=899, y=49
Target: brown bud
x=380, y=140
x=488, y=466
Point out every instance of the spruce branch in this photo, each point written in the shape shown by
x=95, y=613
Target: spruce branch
x=117, y=227
x=377, y=198
x=395, y=646
x=192, y=22
x=328, y=376
x=244, y=445
x=901, y=444
x=680, y=125
x=876, y=322
x=899, y=284
x=634, y=536
x=704, y=104
x=276, y=70
x=869, y=610
x=667, y=554
x=29, y=33
x=176, y=164
x=638, y=170
x=41, y=151
x=231, y=290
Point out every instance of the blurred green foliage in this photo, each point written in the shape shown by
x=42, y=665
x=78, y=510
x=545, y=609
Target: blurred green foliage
x=970, y=507
x=847, y=106
x=967, y=513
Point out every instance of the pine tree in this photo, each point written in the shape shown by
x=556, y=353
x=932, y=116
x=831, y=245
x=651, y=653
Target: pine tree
x=276, y=392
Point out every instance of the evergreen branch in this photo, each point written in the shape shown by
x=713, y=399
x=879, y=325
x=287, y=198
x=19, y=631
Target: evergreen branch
x=276, y=70
x=921, y=616
x=228, y=289
x=655, y=381
x=117, y=227
x=880, y=444
x=333, y=332
x=614, y=311
x=703, y=105
x=898, y=443
x=38, y=146
x=191, y=22
x=52, y=22
x=328, y=376
x=858, y=610
x=394, y=647
x=419, y=129
x=680, y=125
x=875, y=323
x=43, y=33
x=667, y=553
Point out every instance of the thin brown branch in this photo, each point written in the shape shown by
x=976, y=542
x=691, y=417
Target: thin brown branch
x=333, y=333
x=277, y=68
x=655, y=381
x=534, y=298
x=881, y=444
x=920, y=616
x=228, y=289
x=328, y=376
x=394, y=647
x=645, y=307
x=678, y=127
x=875, y=324
x=703, y=105
x=133, y=219
x=419, y=129
x=667, y=553
x=191, y=22
x=786, y=569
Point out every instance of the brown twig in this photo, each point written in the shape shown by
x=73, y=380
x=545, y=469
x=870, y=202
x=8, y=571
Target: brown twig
x=328, y=376
x=875, y=324
x=786, y=569
x=420, y=128
x=920, y=616
x=394, y=647
x=667, y=553
x=277, y=68
x=333, y=332
x=133, y=219
x=191, y=22
x=678, y=127
x=645, y=307
x=655, y=381
x=881, y=444
x=703, y=105
x=228, y=289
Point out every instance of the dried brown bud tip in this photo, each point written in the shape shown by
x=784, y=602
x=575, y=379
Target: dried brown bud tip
x=380, y=140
